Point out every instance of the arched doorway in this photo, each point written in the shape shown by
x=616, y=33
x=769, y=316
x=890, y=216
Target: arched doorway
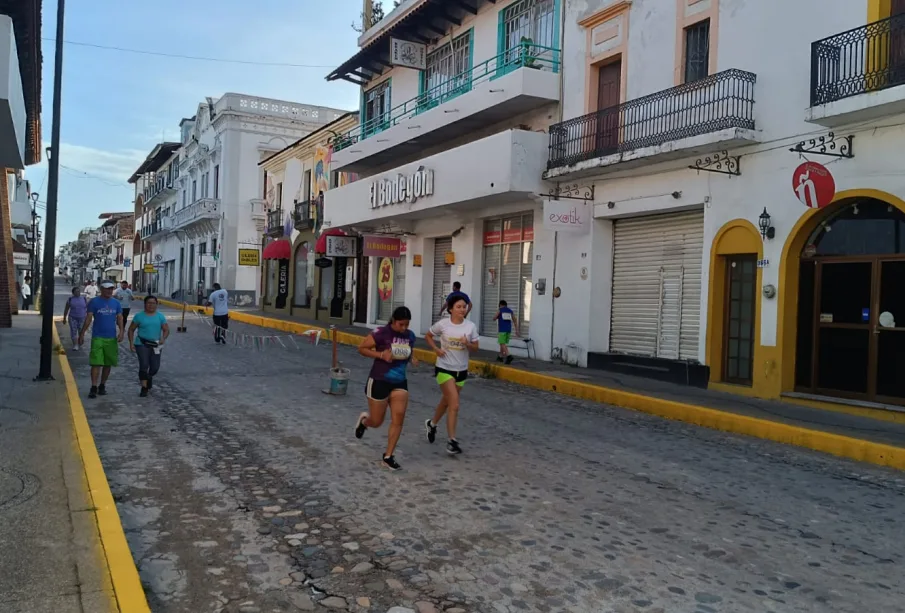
x=850, y=339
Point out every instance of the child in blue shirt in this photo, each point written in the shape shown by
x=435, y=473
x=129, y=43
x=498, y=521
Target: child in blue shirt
x=506, y=319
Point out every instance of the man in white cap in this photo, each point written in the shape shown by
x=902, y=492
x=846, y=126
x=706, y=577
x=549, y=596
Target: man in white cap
x=106, y=313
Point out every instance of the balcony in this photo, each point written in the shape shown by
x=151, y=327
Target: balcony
x=304, y=214
x=199, y=218
x=683, y=121
x=159, y=227
x=162, y=187
x=515, y=81
x=275, y=222
x=859, y=75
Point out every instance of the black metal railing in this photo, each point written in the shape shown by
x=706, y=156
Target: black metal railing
x=304, y=214
x=864, y=59
x=274, y=219
x=718, y=102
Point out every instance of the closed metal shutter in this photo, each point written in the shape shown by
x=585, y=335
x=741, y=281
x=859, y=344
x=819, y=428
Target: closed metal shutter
x=508, y=271
x=657, y=265
x=442, y=274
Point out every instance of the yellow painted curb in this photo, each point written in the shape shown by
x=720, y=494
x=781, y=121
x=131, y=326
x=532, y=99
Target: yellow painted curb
x=817, y=440
x=130, y=596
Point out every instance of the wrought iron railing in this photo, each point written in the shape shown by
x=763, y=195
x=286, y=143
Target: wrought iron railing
x=525, y=55
x=303, y=213
x=274, y=219
x=203, y=208
x=864, y=59
x=718, y=102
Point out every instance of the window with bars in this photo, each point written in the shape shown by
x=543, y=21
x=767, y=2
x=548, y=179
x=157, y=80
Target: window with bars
x=446, y=74
x=508, y=257
x=531, y=21
x=377, y=108
x=697, y=51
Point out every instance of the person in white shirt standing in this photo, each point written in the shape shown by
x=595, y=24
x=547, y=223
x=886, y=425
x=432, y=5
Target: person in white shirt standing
x=458, y=337
x=26, y=294
x=125, y=297
x=219, y=299
x=90, y=290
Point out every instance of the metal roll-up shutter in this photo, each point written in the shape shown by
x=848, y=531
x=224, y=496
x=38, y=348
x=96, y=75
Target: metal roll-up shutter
x=399, y=283
x=442, y=276
x=657, y=264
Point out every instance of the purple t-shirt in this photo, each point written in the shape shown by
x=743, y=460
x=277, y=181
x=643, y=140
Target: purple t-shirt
x=401, y=344
x=78, y=307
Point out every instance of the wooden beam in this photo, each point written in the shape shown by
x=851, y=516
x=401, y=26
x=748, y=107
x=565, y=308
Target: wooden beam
x=351, y=80
x=465, y=6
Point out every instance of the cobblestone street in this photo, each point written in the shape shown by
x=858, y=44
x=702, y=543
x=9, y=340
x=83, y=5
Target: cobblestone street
x=242, y=489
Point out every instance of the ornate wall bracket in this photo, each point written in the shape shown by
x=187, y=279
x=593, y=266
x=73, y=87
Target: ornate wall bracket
x=720, y=163
x=827, y=145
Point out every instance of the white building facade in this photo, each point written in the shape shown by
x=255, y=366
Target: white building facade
x=713, y=257
x=450, y=160
x=209, y=202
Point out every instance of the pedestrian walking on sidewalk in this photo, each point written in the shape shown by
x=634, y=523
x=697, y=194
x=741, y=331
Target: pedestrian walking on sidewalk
x=219, y=299
x=505, y=319
x=26, y=294
x=458, y=337
x=105, y=317
x=391, y=349
x=125, y=297
x=76, y=310
x=153, y=331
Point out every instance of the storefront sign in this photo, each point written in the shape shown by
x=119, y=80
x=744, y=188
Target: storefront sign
x=149, y=268
x=402, y=188
x=282, y=284
x=510, y=235
x=416, y=260
x=450, y=258
x=567, y=216
x=814, y=185
x=323, y=262
x=385, y=279
x=20, y=259
x=403, y=247
x=341, y=246
x=339, y=289
x=249, y=257
x=382, y=246
x=207, y=261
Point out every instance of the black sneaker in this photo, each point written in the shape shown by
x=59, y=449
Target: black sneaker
x=499, y=358
x=92, y=393
x=143, y=393
x=509, y=359
x=391, y=463
x=452, y=447
x=102, y=389
x=359, y=426
x=431, y=430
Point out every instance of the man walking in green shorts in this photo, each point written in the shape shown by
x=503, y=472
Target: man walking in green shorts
x=105, y=316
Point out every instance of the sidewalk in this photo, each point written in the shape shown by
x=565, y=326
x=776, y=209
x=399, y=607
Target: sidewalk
x=52, y=556
x=865, y=435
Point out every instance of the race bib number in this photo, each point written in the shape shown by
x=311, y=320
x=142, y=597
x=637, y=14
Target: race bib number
x=507, y=316
x=401, y=350
x=454, y=344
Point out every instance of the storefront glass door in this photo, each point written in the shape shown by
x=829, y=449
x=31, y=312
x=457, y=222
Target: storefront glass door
x=889, y=332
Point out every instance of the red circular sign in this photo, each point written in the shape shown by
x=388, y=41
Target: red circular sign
x=814, y=185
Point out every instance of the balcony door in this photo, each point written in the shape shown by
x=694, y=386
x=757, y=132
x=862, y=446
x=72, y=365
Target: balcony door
x=609, y=83
x=897, y=42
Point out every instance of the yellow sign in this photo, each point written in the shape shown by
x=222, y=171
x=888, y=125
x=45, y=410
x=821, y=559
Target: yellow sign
x=450, y=258
x=149, y=268
x=416, y=260
x=249, y=257
x=385, y=279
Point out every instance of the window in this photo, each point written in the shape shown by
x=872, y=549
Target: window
x=202, y=251
x=446, y=75
x=205, y=182
x=272, y=268
x=507, y=274
x=697, y=51
x=194, y=190
x=376, y=111
x=279, y=202
x=334, y=179
x=306, y=185
x=184, y=196
x=529, y=21
x=214, y=247
x=217, y=181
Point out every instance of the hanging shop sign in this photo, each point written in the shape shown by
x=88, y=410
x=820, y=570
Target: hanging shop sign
x=567, y=216
x=339, y=289
x=282, y=284
x=20, y=259
x=814, y=185
x=207, y=261
x=385, y=279
x=323, y=262
x=382, y=246
x=341, y=246
x=249, y=257
x=402, y=188
x=408, y=54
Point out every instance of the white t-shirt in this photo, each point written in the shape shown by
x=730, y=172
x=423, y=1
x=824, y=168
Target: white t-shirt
x=26, y=291
x=450, y=337
x=124, y=296
x=220, y=301
x=91, y=291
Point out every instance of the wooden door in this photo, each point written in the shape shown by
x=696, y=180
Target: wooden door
x=740, y=305
x=609, y=82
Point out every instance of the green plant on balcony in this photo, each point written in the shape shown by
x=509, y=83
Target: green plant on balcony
x=527, y=57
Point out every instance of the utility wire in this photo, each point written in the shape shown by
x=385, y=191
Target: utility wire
x=190, y=57
x=81, y=174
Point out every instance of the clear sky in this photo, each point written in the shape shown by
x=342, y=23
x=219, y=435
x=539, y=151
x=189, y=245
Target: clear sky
x=118, y=105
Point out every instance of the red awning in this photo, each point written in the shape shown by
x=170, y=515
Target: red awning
x=321, y=245
x=278, y=250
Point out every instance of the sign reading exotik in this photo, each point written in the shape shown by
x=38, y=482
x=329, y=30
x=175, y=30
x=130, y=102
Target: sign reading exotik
x=402, y=188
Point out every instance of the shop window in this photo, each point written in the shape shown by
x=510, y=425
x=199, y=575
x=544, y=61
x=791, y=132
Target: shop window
x=389, y=295
x=304, y=276
x=273, y=267
x=507, y=271
x=325, y=295
x=697, y=51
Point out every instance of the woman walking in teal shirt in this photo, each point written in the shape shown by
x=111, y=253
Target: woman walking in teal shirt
x=153, y=331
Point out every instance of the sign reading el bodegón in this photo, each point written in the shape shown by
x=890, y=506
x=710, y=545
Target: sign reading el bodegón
x=402, y=188
x=382, y=246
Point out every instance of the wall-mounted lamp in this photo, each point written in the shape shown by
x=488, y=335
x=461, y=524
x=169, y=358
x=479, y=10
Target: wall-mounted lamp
x=766, y=229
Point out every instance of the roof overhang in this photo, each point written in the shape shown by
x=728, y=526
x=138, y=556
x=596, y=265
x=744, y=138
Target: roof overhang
x=157, y=158
x=424, y=21
x=26, y=16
